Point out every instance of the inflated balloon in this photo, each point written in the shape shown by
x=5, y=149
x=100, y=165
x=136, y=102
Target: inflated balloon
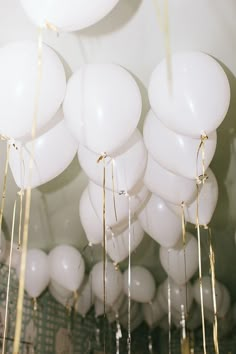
x=18, y=71
x=113, y=282
x=196, y=100
x=142, y=287
x=117, y=205
x=160, y=222
x=67, y=15
x=153, y=312
x=207, y=201
x=194, y=317
x=128, y=169
x=207, y=293
x=102, y=106
x=51, y=152
x=36, y=273
x=85, y=298
x=99, y=307
x=175, y=152
x=66, y=266
x=181, y=265
x=91, y=224
x=181, y=295
x=118, y=245
x=117, y=308
x=169, y=186
x=63, y=296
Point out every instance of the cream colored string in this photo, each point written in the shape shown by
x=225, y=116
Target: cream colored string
x=118, y=334
x=20, y=298
x=129, y=281
x=200, y=180
x=165, y=27
x=213, y=286
x=184, y=246
x=9, y=279
x=169, y=306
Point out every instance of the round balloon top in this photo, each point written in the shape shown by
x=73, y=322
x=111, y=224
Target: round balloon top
x=67, y=15
x=102, y=106
x=197, y=98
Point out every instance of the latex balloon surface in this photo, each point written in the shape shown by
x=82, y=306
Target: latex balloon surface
x=19, y=72
x=196, y=100
x=67, y=15
x=102, y=106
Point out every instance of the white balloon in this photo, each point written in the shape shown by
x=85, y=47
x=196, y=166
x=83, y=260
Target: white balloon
x=91, y=224
x=117, y=205
x=18, y=71
x=181, y=265
x=142, y=284
x=113, y=282
x=129, y=165
x=117, y=308
x=102, y=106
x=85, y=297
x=51, y=154
x=175, y=152
x=194, y=317
x=197, y=98
x=99, y=307
x=153, y=312
x=63, y=296
x=66, y=266
x=181, y=297
x=207, y=293
x=207, y=202
x=170, y=187
x=36, y=273
x=118, y=245
x=160, y=223
x=67, y=15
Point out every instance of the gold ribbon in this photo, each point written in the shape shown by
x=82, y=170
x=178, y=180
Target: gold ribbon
x=200, y=180
x=20, y=298
x=213, y=285
x=9, y=279
x=169, y=306
x=165, y=27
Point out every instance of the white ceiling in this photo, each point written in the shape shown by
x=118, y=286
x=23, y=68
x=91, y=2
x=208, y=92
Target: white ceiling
x=131, y=37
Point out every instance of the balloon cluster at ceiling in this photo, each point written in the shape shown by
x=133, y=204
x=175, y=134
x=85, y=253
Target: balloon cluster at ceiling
x=96, y=114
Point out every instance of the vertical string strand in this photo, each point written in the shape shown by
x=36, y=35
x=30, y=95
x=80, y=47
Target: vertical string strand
x=184, y=247
x=20, y=298
x=169, y=306
x=200, y=180
x=113, y=188
x=4, y=187
x=9, y=278
x=129, y=281
x=118, y=334
x=213, y=286
x=21, y=195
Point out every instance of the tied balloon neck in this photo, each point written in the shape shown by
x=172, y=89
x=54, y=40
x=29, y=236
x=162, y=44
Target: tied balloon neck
x=117, y=266
x=51, y=27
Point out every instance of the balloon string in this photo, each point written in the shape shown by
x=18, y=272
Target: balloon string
x=113, y=188
x=75, y=300
x=118, y=334
x=165, y=27
x=169, y=306
x=150, y=346
x=20, y=298
x=200, y=180
x=213, y=285
x=103, y=158
x=184, y=247
x=129, y=280
x=4, y=187
x=9, y=279
x=21, y=195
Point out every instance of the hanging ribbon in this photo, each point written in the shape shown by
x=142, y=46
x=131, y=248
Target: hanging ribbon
x=150, y=345
x=129, y=281
x=184, y=247
x=20, y=298
x=213, y=286
x=118, y=334
x=169, y=306
x=9, y=279
x=4, y=187
x=200, y=180
x=165, y=27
